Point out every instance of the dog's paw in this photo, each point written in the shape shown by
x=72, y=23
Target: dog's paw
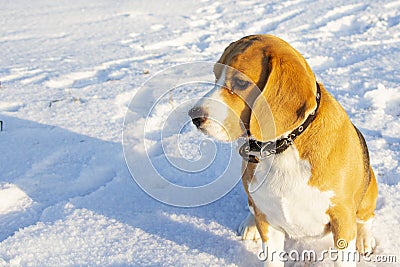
x=248, y=229
x=365, y=241
x=365, y=244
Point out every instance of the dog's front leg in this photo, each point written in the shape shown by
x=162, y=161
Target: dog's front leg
x=273, y=241
x=344, y=230
x=248, y=229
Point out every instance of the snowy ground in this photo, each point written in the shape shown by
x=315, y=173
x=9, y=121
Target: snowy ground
x=68, y=70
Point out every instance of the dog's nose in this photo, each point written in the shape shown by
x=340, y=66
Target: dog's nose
x=198, y=115
x=199, y=121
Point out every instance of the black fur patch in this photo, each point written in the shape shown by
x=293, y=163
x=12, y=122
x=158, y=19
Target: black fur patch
x=265, y=71
x=365, y=153
x=301, y=111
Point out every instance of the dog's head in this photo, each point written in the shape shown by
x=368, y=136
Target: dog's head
x=264, y=88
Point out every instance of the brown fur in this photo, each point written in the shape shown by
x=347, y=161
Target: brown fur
x=331, y=144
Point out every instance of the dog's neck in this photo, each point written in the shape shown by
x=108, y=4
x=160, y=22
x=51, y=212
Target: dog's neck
x=253, y=150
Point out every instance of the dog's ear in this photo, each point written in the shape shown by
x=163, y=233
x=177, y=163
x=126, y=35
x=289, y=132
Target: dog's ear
x=287, y=96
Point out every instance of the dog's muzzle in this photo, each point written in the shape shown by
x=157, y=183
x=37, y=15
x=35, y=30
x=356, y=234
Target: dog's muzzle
x=198, y=115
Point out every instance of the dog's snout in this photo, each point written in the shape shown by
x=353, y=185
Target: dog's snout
x=199, y=121
x=198, y=115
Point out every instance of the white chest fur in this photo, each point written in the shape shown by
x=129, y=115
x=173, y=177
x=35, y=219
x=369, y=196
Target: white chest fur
x=281, y=191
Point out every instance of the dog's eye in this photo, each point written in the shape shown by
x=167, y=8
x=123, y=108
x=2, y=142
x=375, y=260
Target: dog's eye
x=240, y=84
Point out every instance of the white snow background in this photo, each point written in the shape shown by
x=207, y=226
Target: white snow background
x=68, y=70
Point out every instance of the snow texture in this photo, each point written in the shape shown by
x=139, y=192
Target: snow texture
x=68, y=70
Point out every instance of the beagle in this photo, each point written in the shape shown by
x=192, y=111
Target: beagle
x=305, y=167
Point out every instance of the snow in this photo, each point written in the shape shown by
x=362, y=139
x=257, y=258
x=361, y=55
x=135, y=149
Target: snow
x=68, y=72
x=13, y=199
